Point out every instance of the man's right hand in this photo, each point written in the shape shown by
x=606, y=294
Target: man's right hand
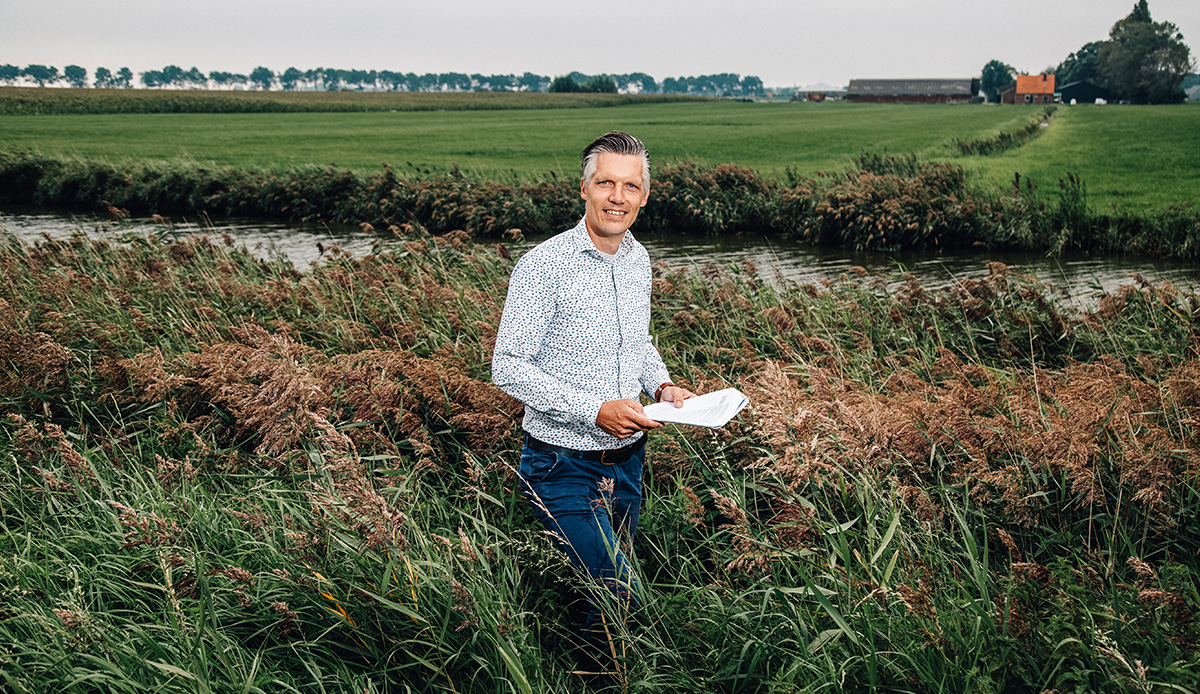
x=624, y=418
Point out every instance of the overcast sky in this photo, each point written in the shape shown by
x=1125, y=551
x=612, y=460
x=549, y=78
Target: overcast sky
x=784, y=42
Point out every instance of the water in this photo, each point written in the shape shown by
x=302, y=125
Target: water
x=1081, y=279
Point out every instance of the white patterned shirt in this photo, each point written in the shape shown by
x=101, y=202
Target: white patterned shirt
x=574, y=334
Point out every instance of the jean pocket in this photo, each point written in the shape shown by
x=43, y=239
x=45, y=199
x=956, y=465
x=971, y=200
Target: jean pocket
x=537, y=465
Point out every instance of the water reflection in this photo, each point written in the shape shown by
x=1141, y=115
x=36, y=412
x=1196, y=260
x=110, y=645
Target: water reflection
x=1080, y=278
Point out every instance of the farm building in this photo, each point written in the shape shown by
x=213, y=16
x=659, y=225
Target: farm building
x=1082, y=92
x=1030, y=89
x=937, y=91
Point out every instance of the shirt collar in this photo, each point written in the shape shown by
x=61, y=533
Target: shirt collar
x=583, y=242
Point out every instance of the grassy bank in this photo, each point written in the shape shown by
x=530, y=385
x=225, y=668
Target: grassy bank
x=219, y=474
x=1131, y=158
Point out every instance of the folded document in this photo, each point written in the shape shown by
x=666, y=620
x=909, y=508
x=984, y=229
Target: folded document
x=710, y=410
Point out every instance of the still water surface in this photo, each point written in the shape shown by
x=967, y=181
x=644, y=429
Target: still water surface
x=1080, y=278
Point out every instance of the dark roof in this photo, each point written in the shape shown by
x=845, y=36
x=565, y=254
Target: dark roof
x=1086, y=87
x=951, y=87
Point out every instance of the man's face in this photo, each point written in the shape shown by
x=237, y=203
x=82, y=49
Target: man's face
x=614, y=196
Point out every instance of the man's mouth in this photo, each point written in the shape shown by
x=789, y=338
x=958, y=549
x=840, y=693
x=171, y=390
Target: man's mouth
x=616, y=213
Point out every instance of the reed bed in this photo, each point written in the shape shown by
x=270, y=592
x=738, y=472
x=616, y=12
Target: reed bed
x=224, y=474
x=881, y=202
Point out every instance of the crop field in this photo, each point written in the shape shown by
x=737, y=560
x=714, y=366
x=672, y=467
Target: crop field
x=37, y=101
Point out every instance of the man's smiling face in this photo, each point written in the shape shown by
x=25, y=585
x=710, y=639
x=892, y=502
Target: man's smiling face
x=614, y=195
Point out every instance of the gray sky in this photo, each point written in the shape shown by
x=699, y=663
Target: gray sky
x=786, y=43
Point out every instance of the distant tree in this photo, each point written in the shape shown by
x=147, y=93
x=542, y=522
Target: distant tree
x=1145, y=61
x=530, y=82
x=175, y=76
x=600, y=84
x=421, y=83
x=124, y=78
x=9, y=74
x=673, y=85
x=316, y=78
x=193, y=79
x=335, y=79
x=103, y=78
x=289, y=78
x=723, y=84
x=500, y=83
x=564, y=84
x=454, y=81
x=227, y=79
x=752, y=86
x=169, y=76
x=75, y=75
x=997, y=77
x=636, y=83
x=1083, y=64
x=1188, y=82
x=262, y=77
x=359, y=79
x=393, y=81
x=41, y=74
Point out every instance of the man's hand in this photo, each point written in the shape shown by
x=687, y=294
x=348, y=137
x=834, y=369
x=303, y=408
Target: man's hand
x=624, y=418
x=676, y=395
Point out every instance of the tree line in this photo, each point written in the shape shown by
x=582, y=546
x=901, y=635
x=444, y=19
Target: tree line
x=1142, y=62
x=333, y=79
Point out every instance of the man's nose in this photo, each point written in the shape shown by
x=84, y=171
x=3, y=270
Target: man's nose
x=617, y=194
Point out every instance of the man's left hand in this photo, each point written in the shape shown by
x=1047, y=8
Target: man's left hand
x=675, y=394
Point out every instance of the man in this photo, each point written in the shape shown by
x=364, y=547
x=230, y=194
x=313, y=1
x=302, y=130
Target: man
x=574, y=346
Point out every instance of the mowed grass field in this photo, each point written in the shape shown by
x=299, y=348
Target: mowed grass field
x=529, y=142
x=1133, y=159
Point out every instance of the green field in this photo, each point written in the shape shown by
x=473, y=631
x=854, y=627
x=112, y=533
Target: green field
x=1136, y=158
x=1133, y=158
x=534, y=142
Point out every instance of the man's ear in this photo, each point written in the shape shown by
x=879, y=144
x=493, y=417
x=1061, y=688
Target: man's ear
x=582, y=189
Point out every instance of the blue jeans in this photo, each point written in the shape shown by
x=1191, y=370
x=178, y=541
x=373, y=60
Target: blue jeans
x=591, y=509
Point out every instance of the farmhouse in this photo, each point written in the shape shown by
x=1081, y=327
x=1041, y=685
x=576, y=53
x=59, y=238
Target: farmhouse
x=1030, y=89
x=935, y=91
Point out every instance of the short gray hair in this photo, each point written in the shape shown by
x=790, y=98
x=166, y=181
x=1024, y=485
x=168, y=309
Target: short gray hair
x=615, y=142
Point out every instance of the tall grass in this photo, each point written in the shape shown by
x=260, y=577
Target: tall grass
x=882, y=202
x=220, y=474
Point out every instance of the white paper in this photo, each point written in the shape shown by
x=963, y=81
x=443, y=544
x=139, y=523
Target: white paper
x=710, y=410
